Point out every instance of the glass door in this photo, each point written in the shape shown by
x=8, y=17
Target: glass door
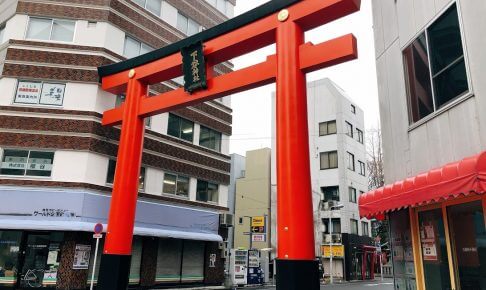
x=434, y=250
x=35, y=260
x=468, y=238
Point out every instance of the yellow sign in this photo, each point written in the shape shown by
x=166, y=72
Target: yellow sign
x=337, y=251
x=258, y=221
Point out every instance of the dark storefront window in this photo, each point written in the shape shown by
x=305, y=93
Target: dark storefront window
x=207, y=191
x=9, y=251
x=330, y=193
x=468, y=237
x=402, y=251
x=434, y=250
x=210, y=138
x=26, y=163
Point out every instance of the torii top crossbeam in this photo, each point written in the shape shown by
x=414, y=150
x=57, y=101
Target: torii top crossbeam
x=282, y=22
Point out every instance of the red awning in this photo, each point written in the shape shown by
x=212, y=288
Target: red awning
x=463, y=178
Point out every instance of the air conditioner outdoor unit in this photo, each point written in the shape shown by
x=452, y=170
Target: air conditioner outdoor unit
x=226, y=220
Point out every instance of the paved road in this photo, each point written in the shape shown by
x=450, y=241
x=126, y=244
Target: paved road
x=387, y=284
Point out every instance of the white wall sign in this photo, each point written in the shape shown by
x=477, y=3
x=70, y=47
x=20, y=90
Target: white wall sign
x=212, y=261
x=258, y=237
x=81, y=257
x=28, y=92
x=52, y=94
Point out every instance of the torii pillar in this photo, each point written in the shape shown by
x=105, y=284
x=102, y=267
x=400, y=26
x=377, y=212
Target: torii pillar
x=282, y=22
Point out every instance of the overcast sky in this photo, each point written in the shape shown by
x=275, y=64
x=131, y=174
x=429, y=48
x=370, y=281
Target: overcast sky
x=252, y=109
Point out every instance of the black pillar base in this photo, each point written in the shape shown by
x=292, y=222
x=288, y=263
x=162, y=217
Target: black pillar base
x=114, y=272
x=297, y=275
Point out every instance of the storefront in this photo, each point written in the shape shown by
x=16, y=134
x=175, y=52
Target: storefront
x=48, y=241
x=437, y=226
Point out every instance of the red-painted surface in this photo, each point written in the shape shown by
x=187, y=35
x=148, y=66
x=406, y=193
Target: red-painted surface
x=287, y=68
x=462, y=178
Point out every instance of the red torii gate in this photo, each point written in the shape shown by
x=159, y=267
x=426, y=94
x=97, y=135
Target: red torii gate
x=280, y=21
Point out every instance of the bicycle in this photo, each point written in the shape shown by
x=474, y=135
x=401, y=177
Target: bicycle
x=32, y=279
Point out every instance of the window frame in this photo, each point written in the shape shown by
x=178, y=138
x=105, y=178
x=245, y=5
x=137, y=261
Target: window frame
x=140, y=45
x=351, y=223
x=14, y=102
x=352, y=194
x=207, y=187
x=176, y=185
x=326, y=124
x=362, y=168
x=2, y=156
x=365, y=225
x=349, y=126
x=145, y=7
x=51, y=28
x=140, y=188
x=189, y=19
x=323, y=191
x=360, y=136
x=353, y=109
x=325, y=223
x=213, y=134
x=353, y=159
x=328, y=159
x=180, y=129
x=453, y=102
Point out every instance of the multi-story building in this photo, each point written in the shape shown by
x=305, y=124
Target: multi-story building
x=431, y=69
x=57, y=161
x=338, y=172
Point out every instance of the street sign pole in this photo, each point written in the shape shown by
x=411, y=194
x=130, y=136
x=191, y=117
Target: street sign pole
x=98, y=229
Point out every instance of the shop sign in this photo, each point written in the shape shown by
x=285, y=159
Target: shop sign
x=337, y=251
x=40, y=93
x=194, y=67
x=428, y=240
x=81, y=257
x=54, y=212
x=258, y=237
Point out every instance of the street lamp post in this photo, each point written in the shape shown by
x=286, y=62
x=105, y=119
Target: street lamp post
x=336, y=207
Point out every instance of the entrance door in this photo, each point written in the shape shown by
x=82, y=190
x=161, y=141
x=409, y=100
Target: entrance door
x=468, y=238
x=35, y=256
x=434, y=250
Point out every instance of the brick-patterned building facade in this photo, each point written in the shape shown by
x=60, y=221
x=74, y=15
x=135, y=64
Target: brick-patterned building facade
x=57, y=160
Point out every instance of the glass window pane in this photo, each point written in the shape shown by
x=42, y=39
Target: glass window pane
x=212, y=192
x=468, y=234
x=434, y=250
x=221, y=5
x=192, y=27
x=331, y=127
x=182, y=23
x=140, y=2
x=169, y=185
x=9, y=253
x=324, y=160
x=39, y=28
x=110, y=177
x=333, y=159
x=174, y=126
x=202, y=191
x=445, y=44
x=349, y=129
x=14, y=162
x=141, y=179
x=418, y=83
x=145, y=48
x=187, y=129
x=323, y=129
x=63, y=30
x=450, y=84
x=40, y=163
x=402, y=253
x=182, y=186
x=132, y=47
x=154, y=6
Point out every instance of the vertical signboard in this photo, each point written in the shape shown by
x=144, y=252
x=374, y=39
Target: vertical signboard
x=194, y=67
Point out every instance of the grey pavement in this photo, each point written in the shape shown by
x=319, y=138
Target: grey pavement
x=386, y=284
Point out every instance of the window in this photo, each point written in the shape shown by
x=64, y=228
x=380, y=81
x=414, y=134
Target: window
x=329, y=160
x=362, y=168
x=187, y=25
x=327, y=128
x=176, y=184
x=207, y=191
x=435, y=66
x=353, y=109
x=26, y=162
x=354, y=226
x=365, y=229
x=180, y=128
x=210, y=139
x=240, y=220
x=352, y=194
x=330, y=193
x=36, y=92
x=349, y=129
x=221, y=5
x=360, y=136
x=133, y=47
x=110, y=176
x=336, y=225
x=51, y=29
x=154, y=6
x=351, y=161
x=120, y=99
x=2, y=34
